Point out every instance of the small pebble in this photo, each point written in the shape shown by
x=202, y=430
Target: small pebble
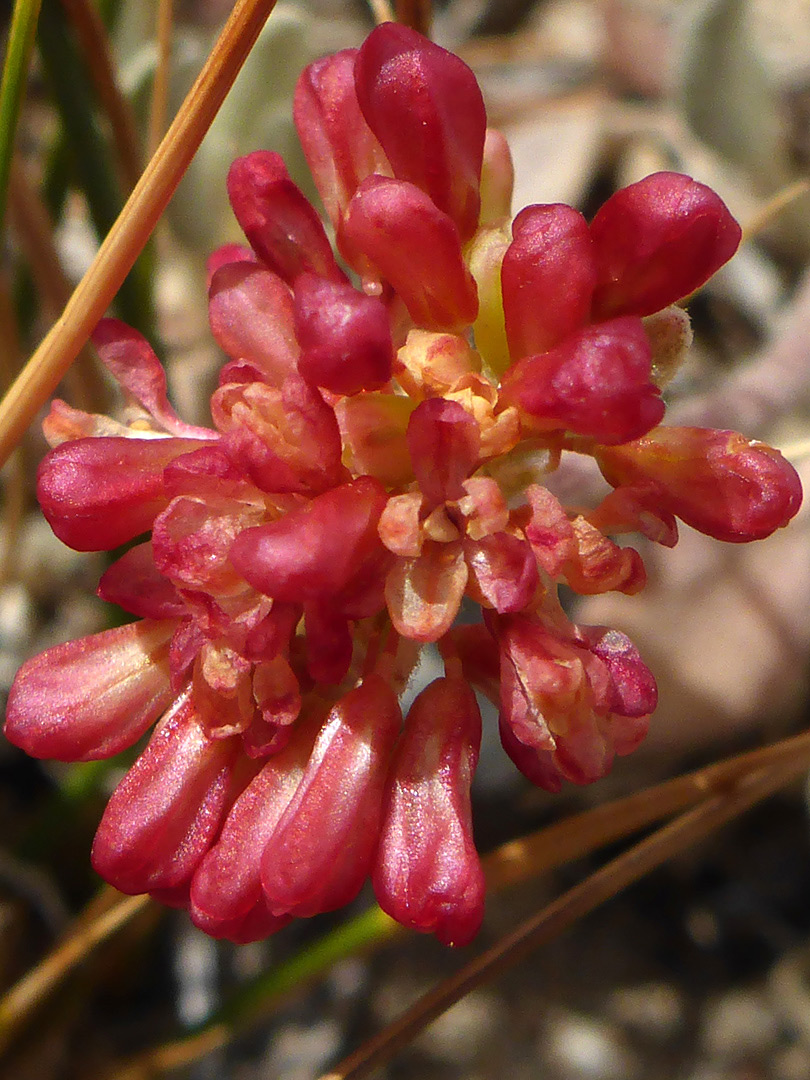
x=738, y=1025
x=585, y=1048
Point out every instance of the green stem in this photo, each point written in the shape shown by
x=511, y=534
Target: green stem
x=12, y=88
x=90, y=157
x=368, y=928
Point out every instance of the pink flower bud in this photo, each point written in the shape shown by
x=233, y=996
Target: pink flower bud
x=227, y=887
x=657, y=241
x=595, y=383
x=415, y=247
x=135, y=584
x=321, y=850
x=338, y=143
x=444, y=443
x=719, y=482
x=165, y=813
x=547, y=278
x=314, y=552
x=427, y=874
x=94, y=697
x=345, y=336
x=425, y=107
x=98, y=493
x=277, y=218
x=251, y=314
x=129, y=357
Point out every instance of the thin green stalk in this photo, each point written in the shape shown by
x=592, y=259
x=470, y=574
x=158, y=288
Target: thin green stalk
x=12, y=88
x=90, y=156
x=370, y=927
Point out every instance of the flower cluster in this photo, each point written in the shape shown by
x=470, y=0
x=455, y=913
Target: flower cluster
x=381, y=433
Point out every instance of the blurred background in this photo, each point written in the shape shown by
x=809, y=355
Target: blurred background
x=701, y=972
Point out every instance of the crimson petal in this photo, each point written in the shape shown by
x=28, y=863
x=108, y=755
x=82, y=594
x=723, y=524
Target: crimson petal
x=428, y=875
x=657, y=241
x=547, y=278
x=166, y=811
x=93, y=697
x=99, y=493
x=425, y=106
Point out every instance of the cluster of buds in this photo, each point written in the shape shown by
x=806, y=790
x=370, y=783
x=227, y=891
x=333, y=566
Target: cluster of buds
x=381, y=432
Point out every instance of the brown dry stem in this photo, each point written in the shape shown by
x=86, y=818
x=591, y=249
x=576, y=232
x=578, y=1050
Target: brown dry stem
x=135, y=223
x=81, y=939
x=159, y=105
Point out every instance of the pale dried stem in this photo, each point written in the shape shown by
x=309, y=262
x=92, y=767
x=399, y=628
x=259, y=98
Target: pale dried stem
x=83, y=937
x=95, y=46
x=15, y=486
x=605, y=883
x=159, y=106
x=584, y=833
x=381, y=11
x=34, y=230
x=774, y=207
x=134, y=224
x=418, y=14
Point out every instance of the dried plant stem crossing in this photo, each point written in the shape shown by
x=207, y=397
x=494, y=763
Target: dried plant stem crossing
x=37, y=984
x=618, y=874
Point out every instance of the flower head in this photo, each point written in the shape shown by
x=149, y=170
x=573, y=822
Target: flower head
x=358, y=482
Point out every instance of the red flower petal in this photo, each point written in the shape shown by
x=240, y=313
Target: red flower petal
x=657, y=241
x=277, y=218
x=415, y=247
x=192, y=538
x=251, y=314
x=345, y=336
x=314, y=552
x=719, y=482
x=428, y=875
x=503, y=571
x=425, y=106
x=93, y=697
x=320, y=853
x=285, y=440
x=227, y=886
x=547, y=278
x=225, y=254
x=536, y=765
x=444, y=442
x=633, y=688
x=166, y=811
x=135, y=584
x=424, y=594
x=329, y=643
x=339, y=145
x=596, y=383
x=99, y=493
x=132, y=361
